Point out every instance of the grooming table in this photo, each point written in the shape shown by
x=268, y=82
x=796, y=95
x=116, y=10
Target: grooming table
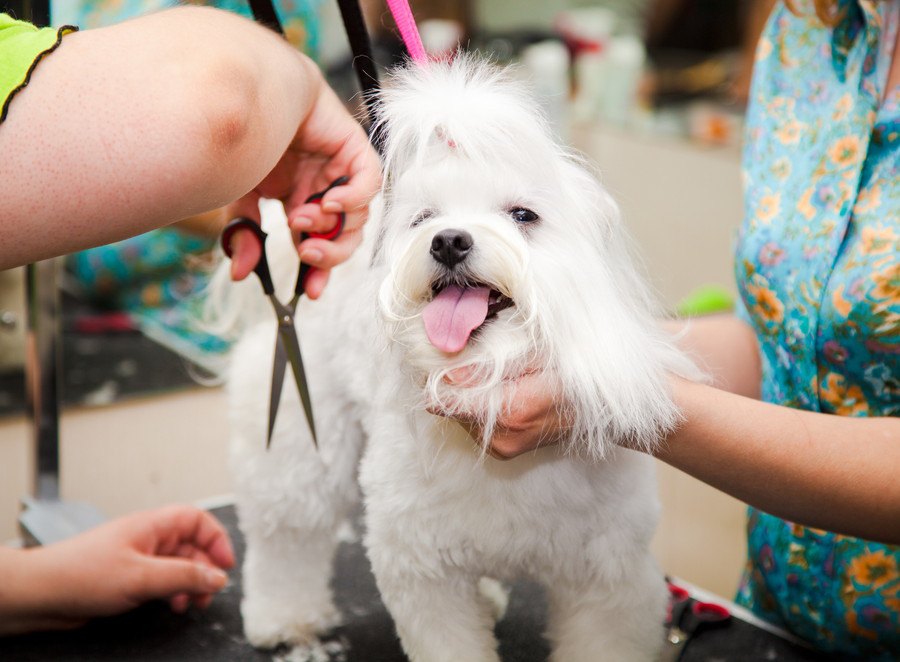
x=215, y=635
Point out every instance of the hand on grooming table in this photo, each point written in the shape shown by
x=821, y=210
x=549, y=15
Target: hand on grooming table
x=176, y=553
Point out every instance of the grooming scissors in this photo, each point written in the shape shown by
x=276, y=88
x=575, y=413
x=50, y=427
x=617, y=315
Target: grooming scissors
x=287, y=346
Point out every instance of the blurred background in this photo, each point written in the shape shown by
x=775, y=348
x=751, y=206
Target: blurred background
x=651, y=91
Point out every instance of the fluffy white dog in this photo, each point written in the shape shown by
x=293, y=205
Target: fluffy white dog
x=491, y=249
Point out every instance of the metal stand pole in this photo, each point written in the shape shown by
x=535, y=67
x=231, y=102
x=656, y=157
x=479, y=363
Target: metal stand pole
x=42, y=374
x=45, y=518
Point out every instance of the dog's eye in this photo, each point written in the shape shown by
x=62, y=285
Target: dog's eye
x=422, y=216
x=523, y=215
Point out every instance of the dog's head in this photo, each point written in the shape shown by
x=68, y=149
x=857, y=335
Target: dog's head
x=505, y=255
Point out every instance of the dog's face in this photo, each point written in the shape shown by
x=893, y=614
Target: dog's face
x=505, y=255
x=460, y=250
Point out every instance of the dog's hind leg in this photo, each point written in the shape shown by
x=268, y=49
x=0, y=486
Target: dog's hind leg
x=620, y=622
x=291, y=502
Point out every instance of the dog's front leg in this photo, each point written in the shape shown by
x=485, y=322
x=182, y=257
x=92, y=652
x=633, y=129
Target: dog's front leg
x=287, y=598
x=621, y=621
x=439, y=613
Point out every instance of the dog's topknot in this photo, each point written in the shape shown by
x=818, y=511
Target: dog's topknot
x=466, y=106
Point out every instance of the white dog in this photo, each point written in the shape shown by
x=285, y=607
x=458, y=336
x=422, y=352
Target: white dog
x=490, y=248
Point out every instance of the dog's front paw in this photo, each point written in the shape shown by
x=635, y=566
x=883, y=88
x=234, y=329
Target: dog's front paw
x=268, y=623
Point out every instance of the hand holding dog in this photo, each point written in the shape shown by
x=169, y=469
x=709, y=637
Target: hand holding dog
x=532, y=416
x=176, y=553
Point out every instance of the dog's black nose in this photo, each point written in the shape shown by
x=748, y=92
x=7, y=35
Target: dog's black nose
x=450, y=247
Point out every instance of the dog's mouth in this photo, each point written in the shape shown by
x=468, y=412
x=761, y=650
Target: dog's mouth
x=456, y=311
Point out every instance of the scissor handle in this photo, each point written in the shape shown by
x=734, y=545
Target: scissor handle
x=334, y=232
x=678, y=600
x=331, y=235
x=261, y=269
x=709, y=612
x=703, y=616
x=677, y=594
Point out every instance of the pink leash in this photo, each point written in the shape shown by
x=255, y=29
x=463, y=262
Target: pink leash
x=408, y=31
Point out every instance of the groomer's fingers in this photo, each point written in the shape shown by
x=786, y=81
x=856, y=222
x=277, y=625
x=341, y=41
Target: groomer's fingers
x=179, y=603
x=245, y=249
x=325, y=254
x=202, y=601
x=166, y=577
x=316, y=282
x=506, y=447
x=190, y=531
x=245, y=253
x=353, y=198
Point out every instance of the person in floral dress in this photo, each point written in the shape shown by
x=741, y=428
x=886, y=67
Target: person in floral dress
x=818, y=268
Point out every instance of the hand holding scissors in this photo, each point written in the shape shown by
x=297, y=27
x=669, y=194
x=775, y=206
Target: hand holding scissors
x=328, y=144
x=287, y=346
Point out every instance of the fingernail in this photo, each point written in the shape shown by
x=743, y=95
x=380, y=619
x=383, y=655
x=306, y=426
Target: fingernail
x=215, y=578
x=302, y=223
x=180, y=604
x=311, y=256
x=332, y=207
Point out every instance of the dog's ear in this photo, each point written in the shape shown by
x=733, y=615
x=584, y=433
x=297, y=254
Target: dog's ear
x=598, y=321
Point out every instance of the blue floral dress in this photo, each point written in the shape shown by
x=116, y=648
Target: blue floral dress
x=818, y=269
x=300, y=18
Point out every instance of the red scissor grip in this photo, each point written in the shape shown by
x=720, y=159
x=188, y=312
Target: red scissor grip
x=708, y=611
x=334, y=232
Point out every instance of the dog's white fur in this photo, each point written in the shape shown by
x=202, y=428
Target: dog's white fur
x=465, y=145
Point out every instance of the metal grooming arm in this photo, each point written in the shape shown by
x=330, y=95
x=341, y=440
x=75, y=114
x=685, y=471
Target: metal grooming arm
x=45, y=518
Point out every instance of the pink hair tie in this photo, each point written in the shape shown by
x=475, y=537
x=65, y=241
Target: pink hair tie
x=408, y=31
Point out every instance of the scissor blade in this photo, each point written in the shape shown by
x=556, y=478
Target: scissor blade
x=288, y=335
x=278, y=364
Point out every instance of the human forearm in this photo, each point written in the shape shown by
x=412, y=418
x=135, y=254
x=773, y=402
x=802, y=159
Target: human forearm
x=831, y=472
x=29, y=594
x=725, y=347
x=148, y=121
x=208, y=224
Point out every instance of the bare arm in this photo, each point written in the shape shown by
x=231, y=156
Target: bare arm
x=832, y=472
x=725, y=347
x=131, y=127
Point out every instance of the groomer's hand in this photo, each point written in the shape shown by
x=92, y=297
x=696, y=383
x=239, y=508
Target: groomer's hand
x=328, y=144
x=176, y=553
x=530, y=418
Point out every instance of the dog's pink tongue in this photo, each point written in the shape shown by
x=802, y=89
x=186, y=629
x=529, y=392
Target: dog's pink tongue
x=453, y=314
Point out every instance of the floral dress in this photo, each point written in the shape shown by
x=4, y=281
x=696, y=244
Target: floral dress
x=818, y=269
x=300, y=18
